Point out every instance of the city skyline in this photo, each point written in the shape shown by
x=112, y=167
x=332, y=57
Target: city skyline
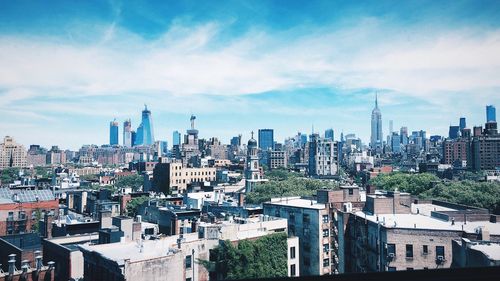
x=242, y=66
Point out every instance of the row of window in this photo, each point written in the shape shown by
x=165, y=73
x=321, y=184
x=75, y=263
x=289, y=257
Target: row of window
x=391, y=250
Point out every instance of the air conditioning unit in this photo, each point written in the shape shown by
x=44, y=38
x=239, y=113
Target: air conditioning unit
x=390, y=256
x=440, y=259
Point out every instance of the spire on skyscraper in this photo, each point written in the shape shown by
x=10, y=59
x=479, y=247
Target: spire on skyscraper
x=376, y=100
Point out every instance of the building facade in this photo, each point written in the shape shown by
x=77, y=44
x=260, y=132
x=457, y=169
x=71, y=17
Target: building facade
x=12, y=154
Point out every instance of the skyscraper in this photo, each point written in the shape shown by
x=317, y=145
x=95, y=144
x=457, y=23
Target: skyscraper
x=403, y=132
x=145, y=134
x=113, y=132
x=462, y=123
x=491, y=114
x=329, y=134
x=127, y=133
x=176, y=138
x=266, y=139
x=453, y=132
x=376, y=137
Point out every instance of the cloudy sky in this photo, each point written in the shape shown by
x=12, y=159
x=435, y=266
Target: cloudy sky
x=66, y=70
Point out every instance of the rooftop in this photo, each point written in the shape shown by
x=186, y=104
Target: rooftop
x=420, y=221
x=491, y=250
x=297, y=202
x=17, y=195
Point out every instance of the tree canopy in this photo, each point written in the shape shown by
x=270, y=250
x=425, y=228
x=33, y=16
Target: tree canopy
x=427, y=186
x=282, y=183
x=133, y=181
x=265, y=257
x=133, y=205
x=9, y=175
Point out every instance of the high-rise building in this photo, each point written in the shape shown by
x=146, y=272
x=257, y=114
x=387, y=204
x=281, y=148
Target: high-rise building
x=329, y=134
x=266, y=139
x=403, y=134
x=453, y=132
x=485, y=148
x=133, y=137
x=127, y=133
x=236, y=141
x=176, y=138
x=113, y=132
x=395, y=143
x=462, y=123
x=12, y=154
x=145, y=135
x=491, y=114
x=376, y=136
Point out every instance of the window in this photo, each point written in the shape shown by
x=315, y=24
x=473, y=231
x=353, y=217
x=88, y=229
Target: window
x=409, y=268
x=306, y=218
x=325, y=218
x=291, y=230
x=292, y=252
x=325, y=232
x=10, y=216
x=292, y=217
x=307, y=247
x=439, y=252
x=351, y=191
x=188, y=279
x=292, y=270
x=409, y=251
x=391, y=268
x=425, y=249
x=306, y=231
x=326, y=248
x=188, y=261
x=326, y=262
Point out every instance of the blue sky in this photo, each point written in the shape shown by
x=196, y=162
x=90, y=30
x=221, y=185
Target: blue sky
x=66, y=70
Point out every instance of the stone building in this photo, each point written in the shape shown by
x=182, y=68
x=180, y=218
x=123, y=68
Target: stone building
x=173, y=178
x=12, y=154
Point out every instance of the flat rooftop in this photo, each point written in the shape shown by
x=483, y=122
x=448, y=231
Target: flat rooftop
x=297, y=202
x=426, y=208
x=491, y=250
x=419, y=221
x=151, y=249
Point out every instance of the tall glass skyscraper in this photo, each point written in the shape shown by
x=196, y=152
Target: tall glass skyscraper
x=113, y=132
x=127, y=133
x=266, y=139
x=462, y=123
x=376, y=137
x=329, y=134
x=491, y=114
x=176, y=138
x=145, y=134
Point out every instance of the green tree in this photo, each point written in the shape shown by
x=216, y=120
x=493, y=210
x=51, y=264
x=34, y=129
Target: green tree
x=291, y=186
x=36, y=226
x=133, y=181
x=265, y=257
x=412, y=183
x=133, y=205
x=9, y=175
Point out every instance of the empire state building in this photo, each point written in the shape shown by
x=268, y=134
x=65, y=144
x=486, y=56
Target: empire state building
x=376, y=138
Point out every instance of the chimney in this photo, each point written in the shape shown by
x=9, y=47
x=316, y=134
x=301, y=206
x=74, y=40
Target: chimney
x=48, y=225
x=485, y=234
x=452, y=221
x=12, y=264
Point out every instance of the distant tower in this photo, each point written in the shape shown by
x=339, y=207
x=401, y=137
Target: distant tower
x=491, y=114
x=145, y=134
x=113, y=132
x=176, y=138
x=462, y=123
x=127, y=133
x=376, y=136
x=252, y=171
x=329, y=134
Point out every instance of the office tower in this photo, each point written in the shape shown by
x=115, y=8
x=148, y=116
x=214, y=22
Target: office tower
x=303, y=139
x=485, y=148
x=376, y=136
x=127, y=133
x=12, y=154
x=395, y=142
x=391, y=124
x=462, y=123
x=145, y=135
x=236, y=141
x=133, y=137
x=453, y=132
x=491, y=114
x=266, y=139
x=176, y=138
x=329, y=134
x=113, y=132
x=403, y=133
x=323, y=156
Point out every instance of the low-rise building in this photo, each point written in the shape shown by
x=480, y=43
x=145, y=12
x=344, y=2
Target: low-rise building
x=173, y=178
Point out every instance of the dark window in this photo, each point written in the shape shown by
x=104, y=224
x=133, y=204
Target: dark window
x=292, y=217
x=439, y=252
x=306, y=231
x=425, y=249
x=292, y=252
x=325, y=233
x=188, y=261
x=409, y=268
x=326, y=262
x=326, y=248
x=325, y=218
x=391, y=249
x=391, y=268
x=292, y=230
x=409, y=250
x=188, y=279
x=307, y=262
x=306, y=218
x=351, y=191
x=307, y=247
x=292, y=270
